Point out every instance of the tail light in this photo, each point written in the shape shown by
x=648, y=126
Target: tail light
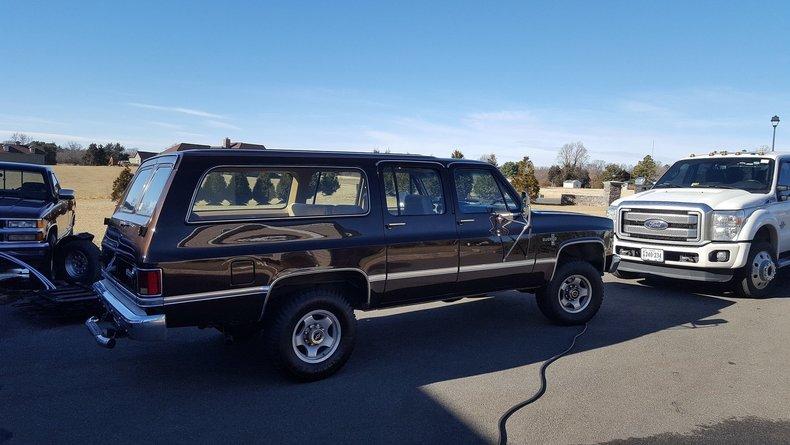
x=149, y=282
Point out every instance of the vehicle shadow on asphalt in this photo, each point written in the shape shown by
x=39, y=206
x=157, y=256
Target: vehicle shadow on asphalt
x=195, y=386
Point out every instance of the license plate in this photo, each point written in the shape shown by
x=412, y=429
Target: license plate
x=654, y=255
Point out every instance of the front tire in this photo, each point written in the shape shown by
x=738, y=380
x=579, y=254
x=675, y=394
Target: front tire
x=574, y=294
x=757, y=277
x=312, y=334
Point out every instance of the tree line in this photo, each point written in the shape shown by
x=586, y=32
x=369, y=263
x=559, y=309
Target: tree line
x=74, y=152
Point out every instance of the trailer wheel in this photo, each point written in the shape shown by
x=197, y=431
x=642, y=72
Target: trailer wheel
x=77, y=261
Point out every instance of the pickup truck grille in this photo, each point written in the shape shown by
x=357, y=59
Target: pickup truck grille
x=668, y=225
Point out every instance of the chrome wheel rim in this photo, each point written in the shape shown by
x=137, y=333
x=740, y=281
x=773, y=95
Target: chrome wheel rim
x=75, y=263
x=316, y=336
x=763, y=270
x=575, y=294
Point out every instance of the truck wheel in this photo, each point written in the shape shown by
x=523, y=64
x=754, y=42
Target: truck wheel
x=756, y=279
x=623, y=275
x=312, y=334
x=77, y=261
x=573, y=296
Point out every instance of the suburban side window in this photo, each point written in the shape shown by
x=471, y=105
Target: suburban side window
x=279, y=192
x=479, y=191
x=413, y=191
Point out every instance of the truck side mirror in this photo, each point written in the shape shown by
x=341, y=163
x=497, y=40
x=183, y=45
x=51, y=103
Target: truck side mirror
x=66, y=194
x=526, y=209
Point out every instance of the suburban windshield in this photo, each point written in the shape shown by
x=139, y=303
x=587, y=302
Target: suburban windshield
x=23, y=184
x=750, y=174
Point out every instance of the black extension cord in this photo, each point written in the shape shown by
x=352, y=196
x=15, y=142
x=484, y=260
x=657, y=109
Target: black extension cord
x=537, y=395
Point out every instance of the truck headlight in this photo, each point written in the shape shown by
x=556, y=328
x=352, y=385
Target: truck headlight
x=726, y=225
x=611, y=213
x=25, y=224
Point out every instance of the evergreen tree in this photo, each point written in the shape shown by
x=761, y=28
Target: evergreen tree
x=646, y=168
x=240, y=189
x=263, y=191
x=525, y=180
x=120, y=184
x=509, y=169
x=457, y=154
x=214, y=189
x=283, y=189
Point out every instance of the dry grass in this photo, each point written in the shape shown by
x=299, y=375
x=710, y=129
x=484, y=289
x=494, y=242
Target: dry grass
x=90, y=182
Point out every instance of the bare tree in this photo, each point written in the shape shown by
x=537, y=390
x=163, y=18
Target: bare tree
x=572, y=156
x=72, y=145
x=20, y=138
x=490, y=158
x=596, y=169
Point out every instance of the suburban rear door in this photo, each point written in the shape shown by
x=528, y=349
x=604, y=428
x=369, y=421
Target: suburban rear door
x=420, y=231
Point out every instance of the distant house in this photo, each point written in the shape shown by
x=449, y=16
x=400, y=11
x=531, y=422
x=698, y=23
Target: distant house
x=16, y=152
x=572, y=184
x=141, y=156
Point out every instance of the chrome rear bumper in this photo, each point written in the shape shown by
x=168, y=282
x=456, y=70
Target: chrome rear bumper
x=128, y=319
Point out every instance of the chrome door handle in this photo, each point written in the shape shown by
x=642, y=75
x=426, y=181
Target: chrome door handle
x=461, y=221
x=395, y=224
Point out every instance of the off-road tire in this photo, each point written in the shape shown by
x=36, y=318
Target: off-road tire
x=548, y=297
x=90, y=273
x=280, y=332
x=742, y=283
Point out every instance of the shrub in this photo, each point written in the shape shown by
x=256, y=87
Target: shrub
x=121, y=183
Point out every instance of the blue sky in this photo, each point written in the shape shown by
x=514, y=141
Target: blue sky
x=512, y=78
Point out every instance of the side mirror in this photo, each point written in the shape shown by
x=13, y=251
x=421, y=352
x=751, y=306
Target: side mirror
x=526, y=208
x=66, y=194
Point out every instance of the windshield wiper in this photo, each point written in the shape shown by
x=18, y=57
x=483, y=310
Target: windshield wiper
x=711, y=186
x=667, y=185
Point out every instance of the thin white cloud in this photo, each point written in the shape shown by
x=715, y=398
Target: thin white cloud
x=220, y=124
x=182, y=110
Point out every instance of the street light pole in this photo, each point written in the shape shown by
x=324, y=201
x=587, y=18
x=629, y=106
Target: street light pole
x=774, y=122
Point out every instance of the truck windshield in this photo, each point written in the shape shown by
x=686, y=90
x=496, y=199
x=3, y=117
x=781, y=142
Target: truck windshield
x=753, y=175
x=23, y=184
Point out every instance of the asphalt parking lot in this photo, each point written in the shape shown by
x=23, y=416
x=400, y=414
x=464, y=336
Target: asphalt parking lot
x=666, y=363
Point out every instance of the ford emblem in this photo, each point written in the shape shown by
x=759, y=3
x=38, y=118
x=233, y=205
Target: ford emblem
x=656, y=224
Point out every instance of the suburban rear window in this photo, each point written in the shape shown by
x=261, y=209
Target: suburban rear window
x=146, y=189
x=279, y=192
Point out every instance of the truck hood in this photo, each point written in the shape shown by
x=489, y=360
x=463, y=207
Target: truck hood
x=12, y=207
x=717, y=199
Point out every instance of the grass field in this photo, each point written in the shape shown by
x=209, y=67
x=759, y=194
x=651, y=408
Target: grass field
x=93, y=186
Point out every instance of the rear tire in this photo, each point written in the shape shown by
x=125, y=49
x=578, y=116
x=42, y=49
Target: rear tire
x=756, y=279
x=77, y=261
x=573, y=296
x=312, y=334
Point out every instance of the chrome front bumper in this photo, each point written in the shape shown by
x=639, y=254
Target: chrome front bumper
x=128, y=319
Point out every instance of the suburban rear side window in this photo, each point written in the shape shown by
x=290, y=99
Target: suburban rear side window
x=279, y=192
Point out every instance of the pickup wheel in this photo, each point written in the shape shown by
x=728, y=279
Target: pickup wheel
x=573, y=296
x=756, y=278
x=312, y=334
x=77, y=261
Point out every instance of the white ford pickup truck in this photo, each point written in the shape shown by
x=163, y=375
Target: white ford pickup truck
x=720, y=217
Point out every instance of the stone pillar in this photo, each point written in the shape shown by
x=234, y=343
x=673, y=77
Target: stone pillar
x=612, y=190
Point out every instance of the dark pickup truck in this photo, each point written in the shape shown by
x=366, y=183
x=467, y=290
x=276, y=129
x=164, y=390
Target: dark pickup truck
x=290, y=243
x=37, y=228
